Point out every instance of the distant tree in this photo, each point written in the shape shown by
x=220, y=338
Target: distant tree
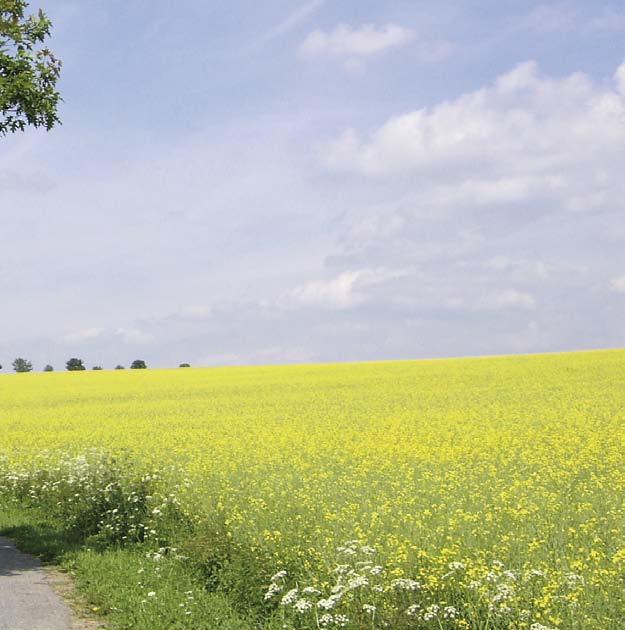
x=22, y=365
x=138, y=364
x=96, y=367
x=75, y=365
x=48, y=368
x=120, y=367
x=28, y=70
x=184, y=365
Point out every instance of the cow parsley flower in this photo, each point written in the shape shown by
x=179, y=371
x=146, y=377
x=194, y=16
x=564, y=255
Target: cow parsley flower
x=290, y=598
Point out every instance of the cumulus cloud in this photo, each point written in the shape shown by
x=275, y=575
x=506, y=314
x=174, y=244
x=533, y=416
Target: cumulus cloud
x=346, y=290
x=338, y=292
x=525, y=129
x=348, y=42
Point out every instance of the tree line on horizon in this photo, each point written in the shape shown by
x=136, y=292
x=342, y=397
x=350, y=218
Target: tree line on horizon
x=21, y=365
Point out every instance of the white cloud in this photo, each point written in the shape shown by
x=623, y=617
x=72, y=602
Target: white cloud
x=618, y=285
x=525, y=137
x=80, y=336
x=295, y=18
x=345, y=290
x=336, y=293
x=133, y=336
x=348, y=42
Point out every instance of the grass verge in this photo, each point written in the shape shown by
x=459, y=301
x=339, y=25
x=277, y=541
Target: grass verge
x=124, y=587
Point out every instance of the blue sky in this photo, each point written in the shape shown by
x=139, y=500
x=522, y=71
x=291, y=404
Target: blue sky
x=244, y=182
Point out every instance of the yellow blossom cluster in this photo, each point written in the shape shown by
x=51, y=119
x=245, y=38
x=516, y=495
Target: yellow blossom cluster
x=512, y=467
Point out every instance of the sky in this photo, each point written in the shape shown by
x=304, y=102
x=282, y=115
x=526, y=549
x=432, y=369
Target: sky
x=251, y=182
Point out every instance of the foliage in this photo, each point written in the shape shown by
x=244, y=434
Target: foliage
x=117, y=581
x=28, y=70
x=48, y=368
x=22, y=365
x=489, y=492
x=96, y=367
x=119, y=367
x=184, y=365
x=74, y=365
x=138, y=364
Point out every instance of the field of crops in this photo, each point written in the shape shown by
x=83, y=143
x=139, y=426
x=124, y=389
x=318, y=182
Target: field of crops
x=471, y=493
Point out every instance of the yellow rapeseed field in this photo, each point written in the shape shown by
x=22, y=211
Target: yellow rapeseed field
x=494, y=486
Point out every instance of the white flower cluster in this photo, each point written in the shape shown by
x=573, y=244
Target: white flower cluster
x=96, y=493
x=363, y=595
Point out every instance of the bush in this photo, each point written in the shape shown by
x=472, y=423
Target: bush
x=138, y=364
x=105, y=497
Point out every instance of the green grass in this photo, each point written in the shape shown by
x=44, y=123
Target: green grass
x=115, y=582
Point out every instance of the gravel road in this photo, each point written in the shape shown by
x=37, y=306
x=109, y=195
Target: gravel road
x=27, y=601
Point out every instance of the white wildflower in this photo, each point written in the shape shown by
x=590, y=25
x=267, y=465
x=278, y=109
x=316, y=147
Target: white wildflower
x=329, y=603
x=302, y=605
x=272, y=591
x=413, y=610
x=450, y=612
x=431, y=612
x=405, y=584
x=290, y=598
x=357, y=582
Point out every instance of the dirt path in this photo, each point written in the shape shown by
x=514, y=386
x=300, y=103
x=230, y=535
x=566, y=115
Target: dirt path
x=27, y=601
